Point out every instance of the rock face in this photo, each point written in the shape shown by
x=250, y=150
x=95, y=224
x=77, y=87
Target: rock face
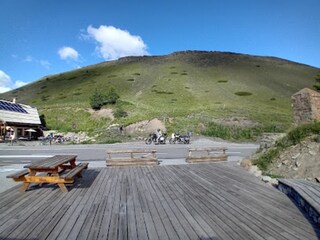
x=306, y=106
x=299, y=162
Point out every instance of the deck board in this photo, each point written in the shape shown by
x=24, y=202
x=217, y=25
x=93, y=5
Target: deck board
x=198, y=201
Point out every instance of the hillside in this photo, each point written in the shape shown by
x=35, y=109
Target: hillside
x=182, y=88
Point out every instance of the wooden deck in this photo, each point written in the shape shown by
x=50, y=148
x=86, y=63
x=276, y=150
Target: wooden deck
x=200, y=201
x=305, y=193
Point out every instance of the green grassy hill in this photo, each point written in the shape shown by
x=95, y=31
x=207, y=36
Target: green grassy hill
x=186, y=88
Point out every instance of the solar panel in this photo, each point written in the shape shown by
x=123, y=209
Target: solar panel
x=13, y=107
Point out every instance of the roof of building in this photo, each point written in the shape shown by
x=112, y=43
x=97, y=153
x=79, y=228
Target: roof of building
x=11, y=112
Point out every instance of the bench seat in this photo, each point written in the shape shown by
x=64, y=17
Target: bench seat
x=75, y=171
x=19, y=174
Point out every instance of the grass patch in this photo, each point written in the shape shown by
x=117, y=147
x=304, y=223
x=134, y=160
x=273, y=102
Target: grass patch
x=65, y=120
x=222, y=81
x=232, y=132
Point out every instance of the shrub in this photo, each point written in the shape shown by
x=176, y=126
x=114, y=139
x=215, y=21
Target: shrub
x=266, y=159
x=97, y=100
x=111, y=97
x=317, y=86
x=243, y=94
x=296, y=135
x=120, y=113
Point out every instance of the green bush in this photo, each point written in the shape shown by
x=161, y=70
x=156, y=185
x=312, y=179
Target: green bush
x=243, y=94
x=111, y=97
x=266, y=159
x=120, y=113
x=317, y=86
x=299, y=133
x=97, y=100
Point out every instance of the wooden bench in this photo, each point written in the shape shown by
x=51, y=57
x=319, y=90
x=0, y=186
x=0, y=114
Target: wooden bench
x=136, y=157
x=212, y=154
x=59, y=169
x=19, y=174
x=74, y=172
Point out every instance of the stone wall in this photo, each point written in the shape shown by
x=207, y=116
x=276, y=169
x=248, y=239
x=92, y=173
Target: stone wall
x=306, y=106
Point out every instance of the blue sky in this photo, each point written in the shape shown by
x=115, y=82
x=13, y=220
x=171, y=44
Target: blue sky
x=39, y=38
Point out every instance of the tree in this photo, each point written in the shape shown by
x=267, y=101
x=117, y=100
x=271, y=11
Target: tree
x=97, y=100
x=112, y=97
x=317, y=86
x=43, y=121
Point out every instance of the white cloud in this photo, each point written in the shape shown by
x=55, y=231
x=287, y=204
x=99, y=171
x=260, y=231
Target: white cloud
x=114, y=43
x=5, y=79
x=30, y=59
x=45, y=63
x=4, y=89
x=19, y=83
x=66, y=53
x=7, y=84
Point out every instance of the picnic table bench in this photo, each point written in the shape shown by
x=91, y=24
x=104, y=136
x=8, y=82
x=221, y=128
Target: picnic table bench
x=135, y=157
x=59, y=169
x=210, y=154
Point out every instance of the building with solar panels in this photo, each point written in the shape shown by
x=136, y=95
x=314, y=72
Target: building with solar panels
x=18, y=121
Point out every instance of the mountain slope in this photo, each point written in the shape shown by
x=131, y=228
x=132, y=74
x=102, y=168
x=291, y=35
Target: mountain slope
x=193, y=84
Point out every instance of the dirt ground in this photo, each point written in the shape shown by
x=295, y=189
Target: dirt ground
x=301, y=161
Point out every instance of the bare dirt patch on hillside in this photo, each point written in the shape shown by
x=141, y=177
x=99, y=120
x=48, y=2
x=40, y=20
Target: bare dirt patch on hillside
x=105, y=112
x=145, y=127
x=301, y=161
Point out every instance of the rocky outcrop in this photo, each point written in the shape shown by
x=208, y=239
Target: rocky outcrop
x=306, y=106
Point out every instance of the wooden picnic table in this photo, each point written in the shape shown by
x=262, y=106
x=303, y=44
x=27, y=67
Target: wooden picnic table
x=59, y=169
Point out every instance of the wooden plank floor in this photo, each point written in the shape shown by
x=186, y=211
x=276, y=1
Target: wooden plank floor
x=201, y=201
x=305, y=193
